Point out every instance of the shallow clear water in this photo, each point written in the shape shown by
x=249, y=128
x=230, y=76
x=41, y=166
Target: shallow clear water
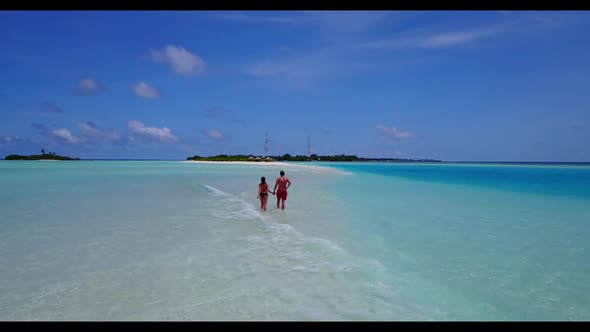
x=125, y=240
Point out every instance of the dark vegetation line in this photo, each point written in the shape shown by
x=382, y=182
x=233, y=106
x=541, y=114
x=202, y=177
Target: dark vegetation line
x=288, y=157
x=42, y=156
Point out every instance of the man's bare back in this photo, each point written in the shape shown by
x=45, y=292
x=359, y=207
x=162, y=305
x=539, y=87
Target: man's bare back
x=282, y=182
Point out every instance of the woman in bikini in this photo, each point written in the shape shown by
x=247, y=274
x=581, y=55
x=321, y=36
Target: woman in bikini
x=263, y=193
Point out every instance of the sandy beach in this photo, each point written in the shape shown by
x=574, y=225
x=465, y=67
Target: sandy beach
x=274, y=163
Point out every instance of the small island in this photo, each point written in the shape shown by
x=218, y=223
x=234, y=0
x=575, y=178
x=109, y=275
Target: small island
x=42, y=156
x=313, y=157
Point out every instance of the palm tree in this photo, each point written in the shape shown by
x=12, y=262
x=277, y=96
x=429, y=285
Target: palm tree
x=42, y=151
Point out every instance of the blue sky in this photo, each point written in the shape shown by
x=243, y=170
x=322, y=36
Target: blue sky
x=466, y=85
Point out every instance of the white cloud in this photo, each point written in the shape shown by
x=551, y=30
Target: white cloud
x=267, y=69
x=438, y=40
x=242, y=17
x=517, y=25
x=346, y=22
x=302, y=69
x=347, y=41
x=88, y=85
x=215, y=134
x=395, y=133
x=145, y=90
x=426, y=38
x=65, y=135
x=91, y=130
x=331, y=21
x=182, y=61
x=454, y=38
x=162, y=134
x=10, y=140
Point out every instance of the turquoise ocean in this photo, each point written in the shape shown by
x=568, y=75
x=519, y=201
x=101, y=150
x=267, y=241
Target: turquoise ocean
x=174, y=240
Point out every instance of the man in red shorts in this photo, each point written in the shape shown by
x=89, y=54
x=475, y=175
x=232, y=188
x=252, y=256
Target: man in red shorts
x=283, y=183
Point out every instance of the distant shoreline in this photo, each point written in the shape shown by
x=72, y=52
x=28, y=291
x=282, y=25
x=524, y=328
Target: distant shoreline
x=274, y=163
x=40, y=157
x=238, y=162
x=304, y=158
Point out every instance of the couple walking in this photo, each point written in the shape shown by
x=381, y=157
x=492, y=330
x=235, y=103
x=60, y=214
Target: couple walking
x=283, y=183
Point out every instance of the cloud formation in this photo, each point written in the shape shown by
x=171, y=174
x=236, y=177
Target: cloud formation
x=348, y=42
x=145, y=90
x=394, y=133
x=433, y=40
x=7, y=141
x=88, y=85
x=161, y=134
x=215, y=134
x=11, y=139
x=243, y=17
x=180, y=60
x=67, y=136
x=334, y=22
x=455, y=38
x=90, y=130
